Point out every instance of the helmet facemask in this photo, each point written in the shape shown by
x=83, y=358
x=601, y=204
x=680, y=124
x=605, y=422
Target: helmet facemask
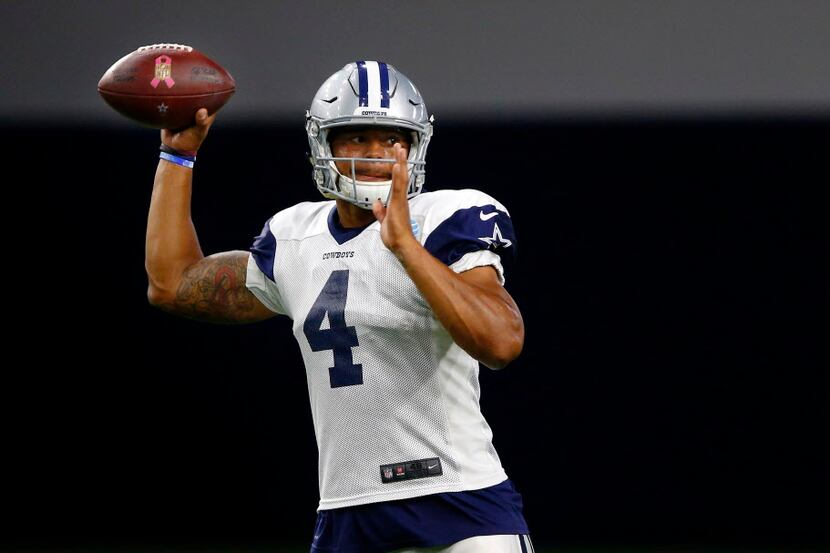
x=346, y=185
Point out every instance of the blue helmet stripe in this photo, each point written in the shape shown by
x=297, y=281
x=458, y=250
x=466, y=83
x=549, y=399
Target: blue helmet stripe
x=384, y=85
x=363, y=84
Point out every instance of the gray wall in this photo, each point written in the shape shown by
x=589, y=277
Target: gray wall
x=470, y=59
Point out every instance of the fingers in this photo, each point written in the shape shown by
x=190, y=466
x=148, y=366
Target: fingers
x=400, y=175
x=190, y=138
x=201, y=117
x=378, y=210
x=203, y=120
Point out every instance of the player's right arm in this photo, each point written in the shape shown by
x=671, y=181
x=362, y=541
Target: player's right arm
x=181, y=279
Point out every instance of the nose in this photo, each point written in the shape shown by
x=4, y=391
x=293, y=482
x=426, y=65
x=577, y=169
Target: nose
x=375, y=149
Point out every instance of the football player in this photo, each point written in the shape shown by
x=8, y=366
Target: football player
x=396, y=295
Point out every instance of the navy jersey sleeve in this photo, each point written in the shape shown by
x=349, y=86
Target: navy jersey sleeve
x=474, y=229
x=260, y=278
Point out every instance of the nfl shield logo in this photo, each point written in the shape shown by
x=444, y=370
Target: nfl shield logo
x=387, y=473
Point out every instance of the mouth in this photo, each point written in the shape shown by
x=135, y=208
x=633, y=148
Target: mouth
x=373, y=172
x=372, y=178
x=367, y=172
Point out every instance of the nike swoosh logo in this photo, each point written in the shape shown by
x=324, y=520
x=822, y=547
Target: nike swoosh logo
x=430, y=467
x=488, y=216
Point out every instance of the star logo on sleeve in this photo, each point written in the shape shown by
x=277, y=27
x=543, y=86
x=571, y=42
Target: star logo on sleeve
x=496, y=241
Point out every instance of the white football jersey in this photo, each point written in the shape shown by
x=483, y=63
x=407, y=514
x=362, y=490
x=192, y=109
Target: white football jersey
x=395, y=401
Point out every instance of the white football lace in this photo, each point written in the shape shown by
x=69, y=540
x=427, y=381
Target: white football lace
x=165, y=47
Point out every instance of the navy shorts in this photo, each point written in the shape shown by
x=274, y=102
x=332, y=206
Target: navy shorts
x=425, y=521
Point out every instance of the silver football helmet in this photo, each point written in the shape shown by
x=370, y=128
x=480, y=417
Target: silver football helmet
x=366, y=93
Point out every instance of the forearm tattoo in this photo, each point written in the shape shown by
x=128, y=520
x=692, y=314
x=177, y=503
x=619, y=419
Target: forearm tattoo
x=214, y=290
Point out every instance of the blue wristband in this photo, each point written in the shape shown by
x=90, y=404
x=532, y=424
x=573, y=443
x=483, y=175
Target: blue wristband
x=177, y=160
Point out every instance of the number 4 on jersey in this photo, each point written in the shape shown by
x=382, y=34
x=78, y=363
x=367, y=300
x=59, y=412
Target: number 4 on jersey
x=338, y=337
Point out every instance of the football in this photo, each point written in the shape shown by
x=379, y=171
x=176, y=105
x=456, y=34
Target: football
x=163, y=85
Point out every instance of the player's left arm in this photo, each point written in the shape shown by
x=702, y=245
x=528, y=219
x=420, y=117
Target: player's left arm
x=473, y=306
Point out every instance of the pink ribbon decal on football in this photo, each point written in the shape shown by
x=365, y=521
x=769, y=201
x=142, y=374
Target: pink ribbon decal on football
x=164, y=68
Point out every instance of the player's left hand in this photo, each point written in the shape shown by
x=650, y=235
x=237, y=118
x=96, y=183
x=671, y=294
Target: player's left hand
x=395, y=226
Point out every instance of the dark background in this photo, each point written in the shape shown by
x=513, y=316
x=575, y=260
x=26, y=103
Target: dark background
x=670, y=391
x=665, y=163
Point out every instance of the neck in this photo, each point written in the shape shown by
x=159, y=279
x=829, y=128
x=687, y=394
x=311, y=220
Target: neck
x=352, y=216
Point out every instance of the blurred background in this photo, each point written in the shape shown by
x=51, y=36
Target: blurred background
x=665, y=165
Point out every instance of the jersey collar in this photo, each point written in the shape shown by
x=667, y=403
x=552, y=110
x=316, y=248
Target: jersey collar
x=339, y=232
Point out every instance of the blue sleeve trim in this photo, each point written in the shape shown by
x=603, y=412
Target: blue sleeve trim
x=264, y=250
x=473, y=229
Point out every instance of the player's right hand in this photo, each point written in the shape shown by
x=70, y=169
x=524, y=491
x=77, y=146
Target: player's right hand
x=191, y=138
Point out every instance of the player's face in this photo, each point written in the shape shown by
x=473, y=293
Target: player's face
x=370, y=142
